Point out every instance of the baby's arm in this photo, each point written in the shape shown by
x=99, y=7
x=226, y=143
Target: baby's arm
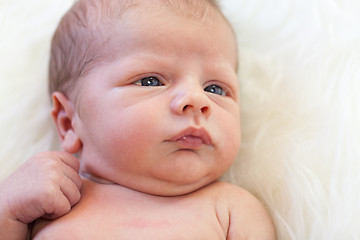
x=47, y=185
x=248, y=218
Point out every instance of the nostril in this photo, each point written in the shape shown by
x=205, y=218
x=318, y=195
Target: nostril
x=204, y=110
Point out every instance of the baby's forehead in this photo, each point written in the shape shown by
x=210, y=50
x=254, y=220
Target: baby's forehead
x=104, y=18
x=112, y=9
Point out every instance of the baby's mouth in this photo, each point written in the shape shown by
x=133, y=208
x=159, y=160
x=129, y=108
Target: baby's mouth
x=190, y=141
x=192, y=138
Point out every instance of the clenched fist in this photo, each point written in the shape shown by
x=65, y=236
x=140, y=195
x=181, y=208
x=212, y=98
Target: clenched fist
x=47, y=185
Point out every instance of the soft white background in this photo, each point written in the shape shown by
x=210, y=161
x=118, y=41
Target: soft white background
x=300, y=84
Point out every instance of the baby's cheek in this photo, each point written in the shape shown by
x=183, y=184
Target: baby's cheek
x=231, y=139
x=133, y=130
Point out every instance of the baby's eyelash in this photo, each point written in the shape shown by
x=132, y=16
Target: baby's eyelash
x=218, y=88
x=215, y=89
x=150, y=81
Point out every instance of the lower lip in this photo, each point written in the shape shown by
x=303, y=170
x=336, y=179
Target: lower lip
x=190, y=142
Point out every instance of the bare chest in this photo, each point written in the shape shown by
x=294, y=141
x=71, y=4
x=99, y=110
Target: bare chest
x=133, y=216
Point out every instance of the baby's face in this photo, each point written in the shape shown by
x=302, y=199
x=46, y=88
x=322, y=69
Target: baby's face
x=163, y=116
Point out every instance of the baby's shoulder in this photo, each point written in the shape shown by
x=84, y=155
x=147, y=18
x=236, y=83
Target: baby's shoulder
x=248, y=217
x=233, y=197
x=228, y=193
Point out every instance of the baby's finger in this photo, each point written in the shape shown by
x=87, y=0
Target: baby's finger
x=73, y=176
x=62, y=206
x=69, y=160
x=70, y=190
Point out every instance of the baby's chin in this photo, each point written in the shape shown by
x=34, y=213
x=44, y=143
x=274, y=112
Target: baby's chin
x=153, y=186
x=175, y=186
x=171, y=190
x=166, y=189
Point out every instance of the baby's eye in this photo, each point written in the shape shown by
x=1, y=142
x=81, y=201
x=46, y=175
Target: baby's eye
x=215, y=89
x=149, y=82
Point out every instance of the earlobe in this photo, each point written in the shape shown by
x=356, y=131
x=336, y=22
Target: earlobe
x=63, y=116
x=71, y=142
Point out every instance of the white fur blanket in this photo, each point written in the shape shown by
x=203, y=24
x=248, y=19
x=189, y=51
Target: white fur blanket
x=300, y=84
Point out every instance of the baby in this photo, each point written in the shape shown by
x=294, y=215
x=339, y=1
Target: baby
x=145, y=95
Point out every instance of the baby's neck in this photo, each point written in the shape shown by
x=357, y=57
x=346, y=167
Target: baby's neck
x=93, y=178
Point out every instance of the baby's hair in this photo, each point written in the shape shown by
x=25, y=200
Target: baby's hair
x=78, y=43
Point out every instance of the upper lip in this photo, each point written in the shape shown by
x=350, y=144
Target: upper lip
x=194, y=132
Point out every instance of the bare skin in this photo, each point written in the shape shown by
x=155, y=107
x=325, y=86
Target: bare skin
x=154, y=128
x=129, y=214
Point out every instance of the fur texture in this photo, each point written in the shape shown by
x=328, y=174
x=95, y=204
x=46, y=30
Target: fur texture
x=299, y=76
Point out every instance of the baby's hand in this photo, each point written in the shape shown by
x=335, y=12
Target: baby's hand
x=47, y=185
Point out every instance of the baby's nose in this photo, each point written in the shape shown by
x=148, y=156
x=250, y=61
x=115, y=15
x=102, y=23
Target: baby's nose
x=193, y=101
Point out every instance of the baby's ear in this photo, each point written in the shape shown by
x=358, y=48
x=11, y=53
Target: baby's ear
x=63, y=115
